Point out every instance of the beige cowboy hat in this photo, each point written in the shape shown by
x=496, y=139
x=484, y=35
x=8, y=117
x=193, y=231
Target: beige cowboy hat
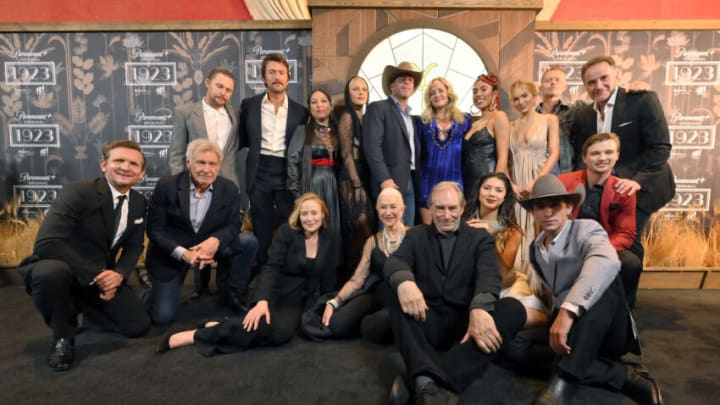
x=403, y=69
x=548, y=186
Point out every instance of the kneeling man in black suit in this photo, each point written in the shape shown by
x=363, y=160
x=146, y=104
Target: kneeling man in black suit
x=75, y=266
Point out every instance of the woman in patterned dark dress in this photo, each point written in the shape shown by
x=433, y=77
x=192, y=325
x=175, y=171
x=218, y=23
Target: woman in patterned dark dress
x=313, y=157
x=358, y=305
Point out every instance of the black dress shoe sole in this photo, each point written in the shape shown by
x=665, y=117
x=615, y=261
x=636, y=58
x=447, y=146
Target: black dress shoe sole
x=399, y=394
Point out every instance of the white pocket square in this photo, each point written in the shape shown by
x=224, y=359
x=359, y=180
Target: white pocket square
x=138, y=221
x=624, y=124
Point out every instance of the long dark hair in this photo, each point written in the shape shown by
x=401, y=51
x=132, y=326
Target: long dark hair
x=357, y=127
x=506, y=211
x=311, y=123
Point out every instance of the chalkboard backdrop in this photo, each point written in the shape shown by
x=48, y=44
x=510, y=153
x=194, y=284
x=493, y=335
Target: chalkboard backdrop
x=65, y=95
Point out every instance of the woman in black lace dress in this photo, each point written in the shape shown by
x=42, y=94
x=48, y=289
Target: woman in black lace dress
x=357, y=213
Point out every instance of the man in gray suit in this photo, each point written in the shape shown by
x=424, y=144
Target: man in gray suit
x=212, y=118
x=591, y=326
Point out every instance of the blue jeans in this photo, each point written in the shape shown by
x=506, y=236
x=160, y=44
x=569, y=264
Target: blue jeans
x=233, y=271
x=409, y=200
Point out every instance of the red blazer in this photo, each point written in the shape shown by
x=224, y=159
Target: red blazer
x=617, y=211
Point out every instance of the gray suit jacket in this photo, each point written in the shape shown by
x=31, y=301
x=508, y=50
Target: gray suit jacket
x=188, y=125
x=582, y=269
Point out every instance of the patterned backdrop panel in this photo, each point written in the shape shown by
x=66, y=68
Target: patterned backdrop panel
x=684, y=69
x=64, y=95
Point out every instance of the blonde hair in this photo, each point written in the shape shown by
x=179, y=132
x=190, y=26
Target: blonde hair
x=530, y=87
x=294, y=219
x=429, y=112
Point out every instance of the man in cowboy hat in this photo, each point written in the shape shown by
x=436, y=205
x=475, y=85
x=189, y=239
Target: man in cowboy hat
x=591, y=325
x=390, y=141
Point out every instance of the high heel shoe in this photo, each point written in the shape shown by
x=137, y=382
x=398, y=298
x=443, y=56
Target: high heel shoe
x=164, y=344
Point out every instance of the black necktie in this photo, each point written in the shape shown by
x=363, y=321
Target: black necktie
x=118, y=212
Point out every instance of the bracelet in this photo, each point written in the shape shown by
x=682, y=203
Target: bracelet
x=333, y=303
x=355, y=187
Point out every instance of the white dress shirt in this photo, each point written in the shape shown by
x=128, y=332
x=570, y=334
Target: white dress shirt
x=605, y=125
x=123, y=213
x=273, y=127
x=217, y=123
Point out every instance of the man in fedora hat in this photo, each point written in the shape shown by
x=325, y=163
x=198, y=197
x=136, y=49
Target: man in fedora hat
x=591, y=325
x=391, y=146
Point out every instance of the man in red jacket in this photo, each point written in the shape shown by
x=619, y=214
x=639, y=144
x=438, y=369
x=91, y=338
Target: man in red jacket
x=613, y=210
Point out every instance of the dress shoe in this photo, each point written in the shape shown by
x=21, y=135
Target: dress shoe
x=557, y=392
x=234, y=299
x=399, y=394
x=62, y=355
x=641, y=387
x=164, y=345
x=432, y=394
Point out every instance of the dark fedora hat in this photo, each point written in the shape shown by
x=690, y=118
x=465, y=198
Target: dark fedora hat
x=549, y=186
x=403, y=69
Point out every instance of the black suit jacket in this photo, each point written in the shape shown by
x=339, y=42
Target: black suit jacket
x=284, y=275
x=250, y=129
x=472, y=278
x=386, y=145
x=169, y=223
x=639, y=120
x=79, y=229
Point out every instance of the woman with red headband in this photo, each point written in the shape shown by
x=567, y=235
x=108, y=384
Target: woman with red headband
x=485, y=146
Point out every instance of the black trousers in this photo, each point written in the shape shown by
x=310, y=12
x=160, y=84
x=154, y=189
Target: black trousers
x=631, y=268
x=270, y=202
x=598, y=339
x=349, y=319
x=59, y=297
x=229, y=336
x=432, y=348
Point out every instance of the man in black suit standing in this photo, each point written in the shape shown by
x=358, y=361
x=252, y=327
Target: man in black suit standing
x=391, y=137
x=267, y=122
x=75, y=265
x=446, y=316
x=193, y=220
x=211, y=118
x=639, y=121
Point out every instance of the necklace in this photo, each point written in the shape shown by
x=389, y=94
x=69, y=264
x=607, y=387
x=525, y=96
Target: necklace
x=442, y=137
x=392, y=245
x=324, y=134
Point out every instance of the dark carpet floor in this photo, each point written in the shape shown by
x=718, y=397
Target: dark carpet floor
x=680, y=330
